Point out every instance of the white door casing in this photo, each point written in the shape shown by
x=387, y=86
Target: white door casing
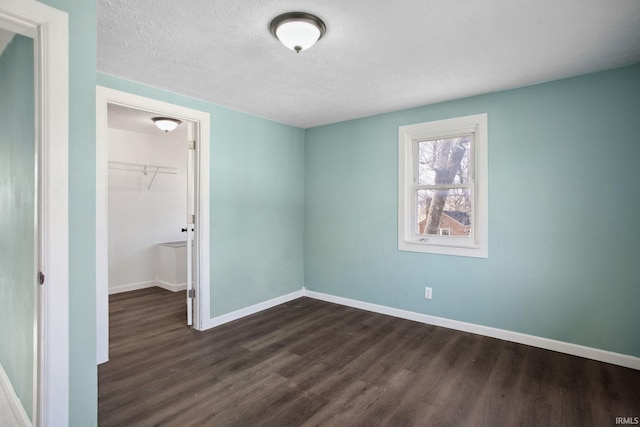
x=201, y=120
x=48, y=27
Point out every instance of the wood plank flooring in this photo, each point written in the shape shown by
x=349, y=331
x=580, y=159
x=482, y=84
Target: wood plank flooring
x=311, y=363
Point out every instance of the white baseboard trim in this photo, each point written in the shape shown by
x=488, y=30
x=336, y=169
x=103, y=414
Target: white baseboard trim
x=532, y=340
x=150, y=284
x=131, y=287
x=173, y=287
x=238, y=314
x=619, y=359
x=14, y=402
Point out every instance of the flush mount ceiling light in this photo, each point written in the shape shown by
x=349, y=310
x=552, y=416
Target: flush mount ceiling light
x=297, y=30
x=166, y=124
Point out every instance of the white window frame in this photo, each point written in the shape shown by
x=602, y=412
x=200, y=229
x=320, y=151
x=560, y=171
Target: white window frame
x=441, y=231
x=476, y=245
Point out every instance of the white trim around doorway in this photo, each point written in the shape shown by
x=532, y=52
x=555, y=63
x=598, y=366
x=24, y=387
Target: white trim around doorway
x=49, y=29
x=106, y=96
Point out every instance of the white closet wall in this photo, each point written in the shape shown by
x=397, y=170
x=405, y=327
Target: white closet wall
x=140, y=218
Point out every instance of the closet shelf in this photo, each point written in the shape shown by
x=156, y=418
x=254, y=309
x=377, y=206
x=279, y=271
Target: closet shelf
x=144, y=169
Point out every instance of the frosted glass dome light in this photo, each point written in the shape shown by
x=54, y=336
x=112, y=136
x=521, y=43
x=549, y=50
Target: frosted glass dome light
x=166, y=124
x=298, y=30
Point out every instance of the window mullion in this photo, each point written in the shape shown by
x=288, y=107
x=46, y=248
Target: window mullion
x=469, y=186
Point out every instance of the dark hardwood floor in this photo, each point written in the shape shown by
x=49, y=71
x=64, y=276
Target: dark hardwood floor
x=311, y=363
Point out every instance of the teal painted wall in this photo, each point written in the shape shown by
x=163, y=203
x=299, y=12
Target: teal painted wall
x=564, y=195
x=17, y=219
x=83, y=373
x=553, y=270
x=256, y=201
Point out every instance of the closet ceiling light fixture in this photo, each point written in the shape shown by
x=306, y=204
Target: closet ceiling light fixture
x=297, y=30
x=166, y=124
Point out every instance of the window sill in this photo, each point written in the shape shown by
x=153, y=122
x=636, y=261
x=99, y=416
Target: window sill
x=443, y=248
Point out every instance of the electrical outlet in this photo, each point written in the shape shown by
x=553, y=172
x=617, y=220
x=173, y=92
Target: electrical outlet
x=427, y=293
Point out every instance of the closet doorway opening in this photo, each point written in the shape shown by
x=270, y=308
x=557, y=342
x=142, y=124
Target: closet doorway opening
x=152, y=205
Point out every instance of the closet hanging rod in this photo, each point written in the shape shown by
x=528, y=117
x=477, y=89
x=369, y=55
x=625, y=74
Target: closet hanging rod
x=144, y=168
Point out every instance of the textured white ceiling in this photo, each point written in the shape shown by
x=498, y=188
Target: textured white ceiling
x=377, y=56
x=134, y=120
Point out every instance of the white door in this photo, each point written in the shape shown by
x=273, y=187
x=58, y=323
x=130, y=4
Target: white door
x=191, y=223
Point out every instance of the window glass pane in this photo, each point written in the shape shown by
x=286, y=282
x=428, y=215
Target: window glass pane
x=444, y=161
x=443, y=212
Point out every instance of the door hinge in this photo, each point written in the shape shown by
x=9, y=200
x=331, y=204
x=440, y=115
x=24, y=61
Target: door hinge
x=41, y=277
x=191, y=293
x=192, y=145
